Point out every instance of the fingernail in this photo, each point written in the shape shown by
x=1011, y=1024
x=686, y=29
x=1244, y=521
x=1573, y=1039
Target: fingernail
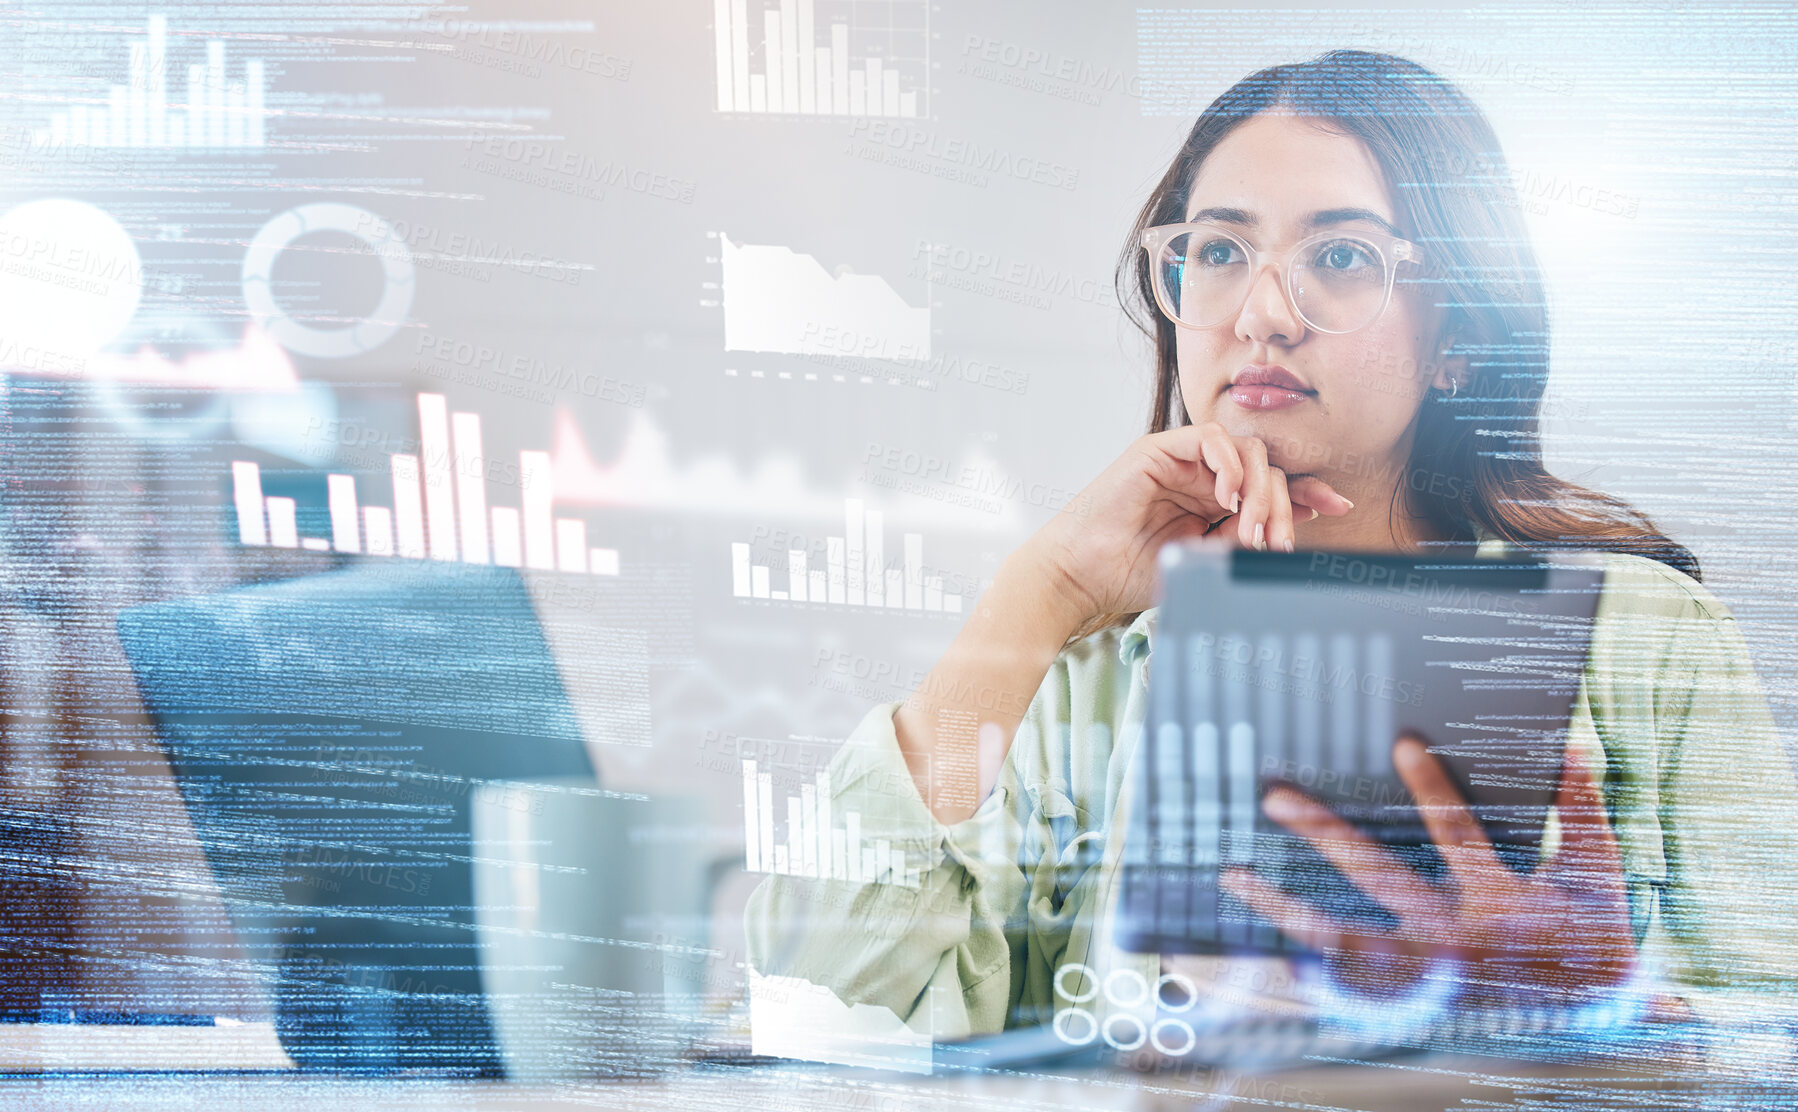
x=1313, y=516
x=1281, y=805
x=1236, y=502
x=1260, y=536
x=1287, y=544
x=1347, y=503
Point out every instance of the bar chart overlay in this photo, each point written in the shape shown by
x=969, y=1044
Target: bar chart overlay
x=217, y=107
x=822, y=57
x=856, y=570
x=814, y=844
x=439, y=507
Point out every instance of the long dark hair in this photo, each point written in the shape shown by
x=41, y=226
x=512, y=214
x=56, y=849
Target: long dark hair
x=1476, y=462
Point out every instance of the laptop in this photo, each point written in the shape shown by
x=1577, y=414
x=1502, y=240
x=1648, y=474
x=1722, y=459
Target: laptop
x=1302, y=668
x=328, y=735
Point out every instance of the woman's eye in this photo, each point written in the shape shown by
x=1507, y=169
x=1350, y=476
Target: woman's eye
x=1219, y=252
x=1343, y=256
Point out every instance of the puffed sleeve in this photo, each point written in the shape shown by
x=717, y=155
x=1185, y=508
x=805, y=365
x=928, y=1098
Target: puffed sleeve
x=1724, y=805
x=938, y=955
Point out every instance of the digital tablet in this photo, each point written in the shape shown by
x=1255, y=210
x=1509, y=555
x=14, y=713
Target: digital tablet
x=1303, y=668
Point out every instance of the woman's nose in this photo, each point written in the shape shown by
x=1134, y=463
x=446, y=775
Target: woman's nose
x=1266, y=316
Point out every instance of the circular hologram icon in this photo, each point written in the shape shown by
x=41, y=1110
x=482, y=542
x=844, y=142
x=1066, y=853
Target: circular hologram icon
x=1075, y=1026
x=70, y=280
x=1187, y=1038
x=1186, y=993
x=398, y=272
x=1126, y=988
x=1082, y=970
x=1138, y=1032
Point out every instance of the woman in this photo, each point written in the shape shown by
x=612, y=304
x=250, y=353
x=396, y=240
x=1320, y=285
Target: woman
x=1352, y=351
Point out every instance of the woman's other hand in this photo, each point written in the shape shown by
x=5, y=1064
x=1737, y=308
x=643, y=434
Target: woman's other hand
x=1558, y=932
x=1166, y=486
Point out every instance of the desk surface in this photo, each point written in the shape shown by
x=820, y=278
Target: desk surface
x=1426, y=1083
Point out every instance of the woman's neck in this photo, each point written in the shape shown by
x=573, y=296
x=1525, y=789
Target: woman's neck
x=1375, y=527
x=1380, y=522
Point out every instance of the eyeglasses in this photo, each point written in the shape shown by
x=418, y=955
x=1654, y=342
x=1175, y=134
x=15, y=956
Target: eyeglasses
x=1336, y=281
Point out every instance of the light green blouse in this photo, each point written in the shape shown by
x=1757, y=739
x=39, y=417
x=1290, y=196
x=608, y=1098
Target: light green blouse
x=1697, y=785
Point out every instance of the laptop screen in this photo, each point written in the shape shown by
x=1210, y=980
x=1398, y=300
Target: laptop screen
x=329, y=734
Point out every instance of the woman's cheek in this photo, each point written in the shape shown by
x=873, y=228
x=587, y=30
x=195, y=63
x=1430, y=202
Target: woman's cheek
x=1197, y=360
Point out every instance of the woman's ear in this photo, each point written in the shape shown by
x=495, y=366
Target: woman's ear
x=1450, y=367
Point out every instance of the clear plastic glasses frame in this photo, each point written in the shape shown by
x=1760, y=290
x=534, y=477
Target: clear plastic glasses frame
x=1357, y=300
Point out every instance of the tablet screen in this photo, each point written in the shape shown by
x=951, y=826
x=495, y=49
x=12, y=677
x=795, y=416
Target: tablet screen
x=1303, y=668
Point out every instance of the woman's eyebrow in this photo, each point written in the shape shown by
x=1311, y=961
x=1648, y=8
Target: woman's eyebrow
x=1327, y=217
x=1319, y=219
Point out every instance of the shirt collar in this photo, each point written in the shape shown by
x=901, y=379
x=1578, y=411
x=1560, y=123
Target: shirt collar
x=1492, y=547
x=1138, y=638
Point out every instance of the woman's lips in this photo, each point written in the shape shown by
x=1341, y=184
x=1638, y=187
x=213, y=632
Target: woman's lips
x=1266, y=397
x=1267, y=386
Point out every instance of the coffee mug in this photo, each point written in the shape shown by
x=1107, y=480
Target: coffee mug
x=590, y=914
